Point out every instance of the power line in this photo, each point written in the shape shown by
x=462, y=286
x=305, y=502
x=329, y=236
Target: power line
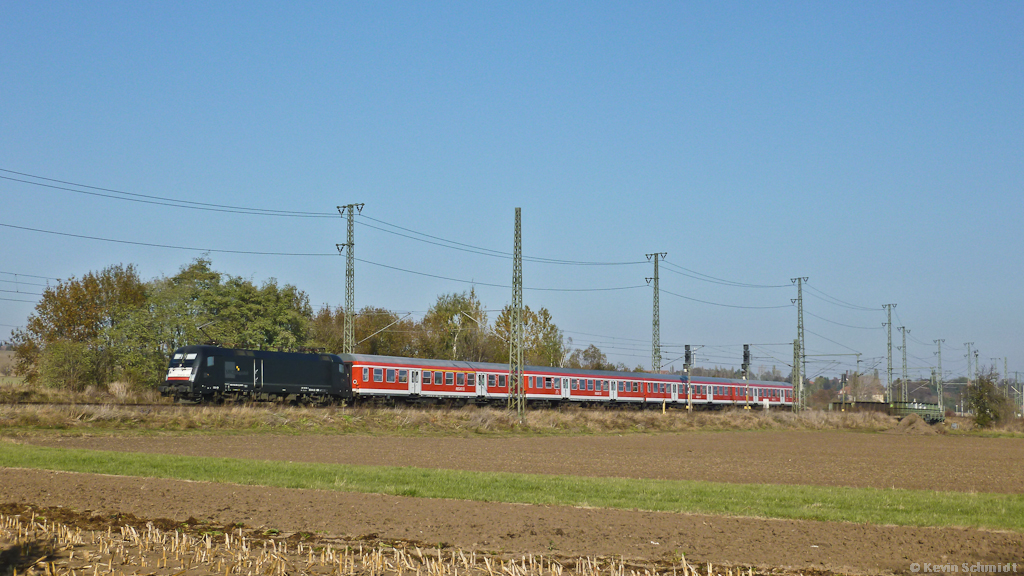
x=20, y=292
x=708, y=278
x=499, y=285
x=841, y=324
x=837, y=302
x=445, y=243
x=724, y=305
x=19, y=282
x=30, y=276
x=832, y=341
x=162, y=201
x=152, y=245
x=173, y=247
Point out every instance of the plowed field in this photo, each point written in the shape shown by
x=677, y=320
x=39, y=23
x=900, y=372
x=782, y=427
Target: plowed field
x=822, y=458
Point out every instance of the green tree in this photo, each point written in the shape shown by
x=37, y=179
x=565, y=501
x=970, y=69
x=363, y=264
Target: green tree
x=989, y=405
x=88, y=311
x=380, y=331
x=543, y=342
x=326, y=329
x=455, y=328
x=590, y=358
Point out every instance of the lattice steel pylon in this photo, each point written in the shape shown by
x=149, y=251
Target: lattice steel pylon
x=938, y=381
x=906, y=376
x=516, y=394
x=350, y=275
x=798, y=379
x=888, y=324
x=802, y=359
x=656, y=323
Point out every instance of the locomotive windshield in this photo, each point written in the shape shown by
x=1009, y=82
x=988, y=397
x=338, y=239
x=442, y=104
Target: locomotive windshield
x=180, y=360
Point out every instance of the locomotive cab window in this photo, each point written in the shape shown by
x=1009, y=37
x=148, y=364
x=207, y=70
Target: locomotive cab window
x=209, y=361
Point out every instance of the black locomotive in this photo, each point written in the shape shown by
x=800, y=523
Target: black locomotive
x=210, y=373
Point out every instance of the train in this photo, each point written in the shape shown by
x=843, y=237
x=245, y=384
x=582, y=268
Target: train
x=207, y=374
x=930, y=412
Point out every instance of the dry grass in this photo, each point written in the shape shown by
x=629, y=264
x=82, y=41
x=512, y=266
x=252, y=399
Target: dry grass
x=21, y=418
x=14, y=389
x=35, y=546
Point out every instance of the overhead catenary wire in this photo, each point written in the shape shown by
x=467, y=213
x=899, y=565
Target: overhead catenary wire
x=331, y=254
x=663, y=291
x=841, y=324
x=443, y=242
x=714, y=280
x=833, y=341
x=837, y=302
x=161, y=200
x=30, y=276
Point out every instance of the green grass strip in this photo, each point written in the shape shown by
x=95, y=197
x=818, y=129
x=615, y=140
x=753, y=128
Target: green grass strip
x=863, y=505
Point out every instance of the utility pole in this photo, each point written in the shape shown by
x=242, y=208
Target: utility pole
x=656, y=326
x=350, y=274
x=799, y=281
x=969, y=375
x=1006, y=377
x=856, y=385
x=798, y=379
x=687, y=360
x=903, y=388
x=746, y=370
x=938, y=382
x=516, y=394
x=976, y=364
x=888, y=324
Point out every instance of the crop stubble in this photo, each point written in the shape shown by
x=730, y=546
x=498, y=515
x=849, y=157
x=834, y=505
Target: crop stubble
x=822, y=458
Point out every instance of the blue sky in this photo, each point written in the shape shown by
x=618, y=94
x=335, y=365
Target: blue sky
x=875, y=148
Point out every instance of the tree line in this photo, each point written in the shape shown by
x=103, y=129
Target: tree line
x=111, y=325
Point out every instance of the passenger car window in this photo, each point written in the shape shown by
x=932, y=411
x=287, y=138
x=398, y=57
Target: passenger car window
x=378, y=374
x=391, y=375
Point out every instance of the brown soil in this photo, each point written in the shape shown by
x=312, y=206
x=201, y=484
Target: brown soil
x=904, y=461
x=913, y=424
x=949, y=463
